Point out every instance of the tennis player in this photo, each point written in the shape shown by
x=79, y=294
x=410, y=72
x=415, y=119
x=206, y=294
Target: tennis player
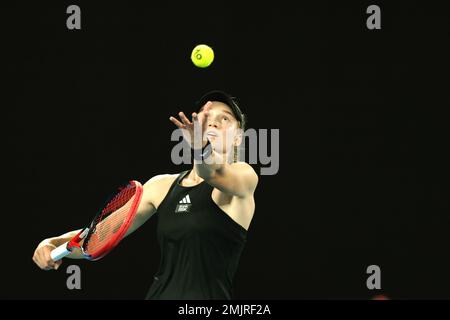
x=203, y=213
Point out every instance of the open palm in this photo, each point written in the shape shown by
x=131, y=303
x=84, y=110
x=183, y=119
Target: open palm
x=193, y=131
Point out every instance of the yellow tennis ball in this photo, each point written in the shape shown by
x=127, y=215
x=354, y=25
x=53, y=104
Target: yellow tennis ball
x=202, y=56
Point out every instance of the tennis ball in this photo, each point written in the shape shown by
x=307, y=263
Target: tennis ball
x=202, y=56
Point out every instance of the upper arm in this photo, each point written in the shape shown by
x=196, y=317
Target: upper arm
x=147, y=207
x=237, y=179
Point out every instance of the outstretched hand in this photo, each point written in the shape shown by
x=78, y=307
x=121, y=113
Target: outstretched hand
x=193, y=131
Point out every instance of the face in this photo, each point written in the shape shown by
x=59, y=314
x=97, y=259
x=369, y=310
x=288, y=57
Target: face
x=222, y=128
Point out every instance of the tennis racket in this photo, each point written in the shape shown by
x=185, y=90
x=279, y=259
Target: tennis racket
x=108, y=227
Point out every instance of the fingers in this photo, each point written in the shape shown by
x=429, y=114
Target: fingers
x=43, y=260
x=57, y=264
x=207, y=106
x=177, y=123
x=48, y=259
x=35, y=259
x=185, y=122
x=184, y=119
x=203, y=116
x=205, y=111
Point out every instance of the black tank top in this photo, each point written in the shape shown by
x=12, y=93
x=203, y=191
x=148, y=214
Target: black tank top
x=200, y=245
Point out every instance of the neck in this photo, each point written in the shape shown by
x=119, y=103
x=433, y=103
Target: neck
x=193, y=176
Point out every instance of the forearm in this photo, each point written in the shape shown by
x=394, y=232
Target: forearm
x=236, y=179
x=208, y=166
x=57, y=241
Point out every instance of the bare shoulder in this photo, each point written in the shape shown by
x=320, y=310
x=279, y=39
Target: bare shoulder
x=161, y=178
x=244, y=167
x=246, y=172
x=159, y=181
x=156, y=188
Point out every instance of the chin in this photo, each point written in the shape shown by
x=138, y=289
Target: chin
x=214, y=141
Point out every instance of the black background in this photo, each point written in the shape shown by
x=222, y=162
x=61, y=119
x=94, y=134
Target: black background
x=363, y=138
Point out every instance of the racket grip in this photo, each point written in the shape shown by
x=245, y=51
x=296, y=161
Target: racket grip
x=60, y=252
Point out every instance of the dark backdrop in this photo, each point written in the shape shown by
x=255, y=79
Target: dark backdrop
x=362, y=120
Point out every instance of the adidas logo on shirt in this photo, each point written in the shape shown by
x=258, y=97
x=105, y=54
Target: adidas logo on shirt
x=186, y=199
x=184, y=205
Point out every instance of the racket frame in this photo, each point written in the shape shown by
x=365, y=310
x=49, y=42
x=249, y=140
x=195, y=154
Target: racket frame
x=66, y=248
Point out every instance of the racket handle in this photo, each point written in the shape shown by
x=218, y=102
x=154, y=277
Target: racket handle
x=60, y=252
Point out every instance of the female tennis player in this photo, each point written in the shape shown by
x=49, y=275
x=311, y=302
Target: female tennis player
x=203, y=214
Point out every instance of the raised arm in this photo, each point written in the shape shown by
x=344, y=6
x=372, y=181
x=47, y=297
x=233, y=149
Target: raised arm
x=236, y=179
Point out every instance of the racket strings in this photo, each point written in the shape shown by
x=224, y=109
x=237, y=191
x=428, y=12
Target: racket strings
x=111, y=219
x=118, y=201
